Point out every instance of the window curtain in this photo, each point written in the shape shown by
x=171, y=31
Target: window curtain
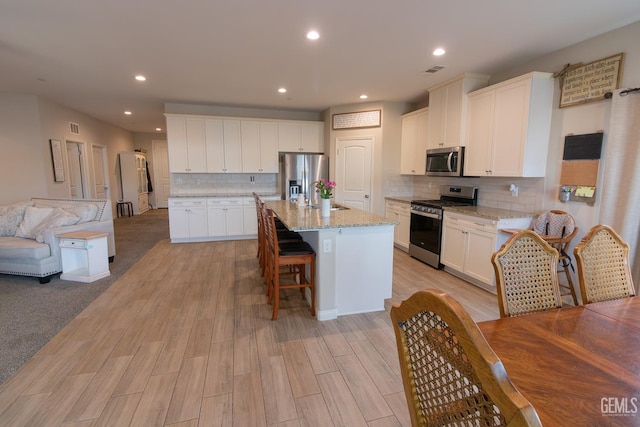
x=620, y=202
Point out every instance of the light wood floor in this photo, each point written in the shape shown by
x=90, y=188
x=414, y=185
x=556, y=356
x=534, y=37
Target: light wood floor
x=184, y=338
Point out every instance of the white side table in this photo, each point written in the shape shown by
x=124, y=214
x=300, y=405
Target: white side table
x=85, y=256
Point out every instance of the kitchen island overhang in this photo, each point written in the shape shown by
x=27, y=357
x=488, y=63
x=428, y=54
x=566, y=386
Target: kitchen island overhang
x=354, y=257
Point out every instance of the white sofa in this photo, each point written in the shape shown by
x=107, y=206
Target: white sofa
x=40, y=256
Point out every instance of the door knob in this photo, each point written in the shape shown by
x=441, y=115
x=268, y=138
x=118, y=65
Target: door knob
x=366, y=196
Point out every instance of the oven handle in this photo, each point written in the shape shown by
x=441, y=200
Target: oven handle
x=428, y=215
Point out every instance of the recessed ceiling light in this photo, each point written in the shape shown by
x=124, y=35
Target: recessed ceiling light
x=439, y=52
x=313, y=35
x=282, y=90
x=158, y=129
x=363, y=96
x=140, y=78
x=128, y=113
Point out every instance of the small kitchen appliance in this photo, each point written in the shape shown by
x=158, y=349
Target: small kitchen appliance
x=425, y=228
x=445, y=161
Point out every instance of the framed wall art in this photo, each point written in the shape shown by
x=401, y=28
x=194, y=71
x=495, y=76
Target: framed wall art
x=591, y=82
x=357, y=120
x=56, y=158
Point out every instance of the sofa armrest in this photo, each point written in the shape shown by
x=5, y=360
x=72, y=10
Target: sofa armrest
x=51, y=235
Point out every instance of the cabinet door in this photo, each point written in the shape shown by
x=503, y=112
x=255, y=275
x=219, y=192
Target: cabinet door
x=510, y=124
x=250, y=220
x=232, y=146
x=480, y=246
x=479, y=135
x=408, y=141
x=453, y=246
x=196, y=146
x=437, y=106
x=215, y=145
x=250, y=134
x=217, y=222
x=198, y=226
x=178, y=223
x=403, y=229
x=289, y=137
x=453, y=114
x=311, y=138
x=268, y=147
x=234, y=221
x=177, y=144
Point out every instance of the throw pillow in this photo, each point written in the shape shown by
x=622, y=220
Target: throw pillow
x=57, y=218
x=32, y=218
x=11, y=217
x=86, y=212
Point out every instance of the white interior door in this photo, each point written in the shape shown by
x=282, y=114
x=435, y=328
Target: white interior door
x=100, y=178
x=161, y=173
x=353, y=172
x=76, y=172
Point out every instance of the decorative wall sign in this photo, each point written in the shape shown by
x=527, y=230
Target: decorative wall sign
x=360, y=119
x=56, y=157
x=591, y=82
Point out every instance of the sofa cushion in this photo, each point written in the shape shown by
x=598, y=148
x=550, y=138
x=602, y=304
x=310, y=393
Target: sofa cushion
x=37, y=220
x=19, y=248
x=86, y=211
x=11, y=217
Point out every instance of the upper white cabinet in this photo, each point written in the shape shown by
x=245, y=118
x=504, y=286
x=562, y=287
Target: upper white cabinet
x=224, y=152
x=306, y=137
x=447, y=109
x=414, y=142
x=186, y=143
x=508, y=127
x=259, y=146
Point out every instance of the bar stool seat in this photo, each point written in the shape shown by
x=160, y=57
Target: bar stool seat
x=122, y=207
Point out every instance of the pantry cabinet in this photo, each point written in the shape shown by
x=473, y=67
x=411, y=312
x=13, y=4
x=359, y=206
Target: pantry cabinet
x=447, y=109
x=400, y=212
x=259, y=146
x=414, y=142
x=300, y=137
x=223, y=145
x=469, y=241
x=186, y=144
x=133, y=177
x=508, y=127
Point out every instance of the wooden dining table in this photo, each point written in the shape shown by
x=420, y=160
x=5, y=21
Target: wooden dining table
x=578, y=366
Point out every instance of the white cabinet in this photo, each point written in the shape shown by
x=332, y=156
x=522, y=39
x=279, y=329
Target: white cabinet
x=508, y=127
x=304, y=137
x=187, y=219
x=259, y=146
x=468, y=242
x=223, y=145
x=186, y=144
x=414, y=142
x=225, y=217
x=447, y=109
x=133, y=177
x=400, y=212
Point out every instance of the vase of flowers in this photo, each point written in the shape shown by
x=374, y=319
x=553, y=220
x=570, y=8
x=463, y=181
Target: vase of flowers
x=325, y=190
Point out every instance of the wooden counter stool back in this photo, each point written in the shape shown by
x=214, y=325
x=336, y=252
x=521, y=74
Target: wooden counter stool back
x=451, y=375
x=526, y=275
x=294, y=256
x=603, y=266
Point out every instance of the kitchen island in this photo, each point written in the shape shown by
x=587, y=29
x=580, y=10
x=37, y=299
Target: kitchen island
x=354, y=256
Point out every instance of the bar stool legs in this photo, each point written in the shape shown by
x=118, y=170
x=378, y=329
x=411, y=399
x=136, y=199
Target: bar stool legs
x=124, y=207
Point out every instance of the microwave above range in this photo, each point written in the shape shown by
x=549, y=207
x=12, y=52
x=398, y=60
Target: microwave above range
x=445, y=161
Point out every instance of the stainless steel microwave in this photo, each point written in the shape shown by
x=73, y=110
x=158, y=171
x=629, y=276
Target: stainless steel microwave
x=445, y=161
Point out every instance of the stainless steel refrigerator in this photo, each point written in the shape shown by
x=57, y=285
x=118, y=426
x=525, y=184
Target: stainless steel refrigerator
x=299, y=172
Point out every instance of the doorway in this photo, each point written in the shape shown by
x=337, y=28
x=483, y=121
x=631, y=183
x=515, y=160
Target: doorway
x=161, y=177
x=100, y=177
x=76, y=160
x=353, y=171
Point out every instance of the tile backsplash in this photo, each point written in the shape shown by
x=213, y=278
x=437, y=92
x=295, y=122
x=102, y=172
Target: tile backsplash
x=223, y=183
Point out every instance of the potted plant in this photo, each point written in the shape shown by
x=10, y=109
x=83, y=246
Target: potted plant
x=325, y=190
x=565, y=194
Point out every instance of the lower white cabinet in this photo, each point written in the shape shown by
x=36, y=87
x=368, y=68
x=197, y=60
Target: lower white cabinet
x=225, y=217
x=187, y=218
x=400, y=212
x=469, y=241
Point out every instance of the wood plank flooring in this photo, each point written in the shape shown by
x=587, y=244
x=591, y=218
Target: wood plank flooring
x=184, y=338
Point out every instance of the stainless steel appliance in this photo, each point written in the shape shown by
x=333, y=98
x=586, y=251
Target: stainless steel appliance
x=299, y=172
x=445, y=161
x=425, y=228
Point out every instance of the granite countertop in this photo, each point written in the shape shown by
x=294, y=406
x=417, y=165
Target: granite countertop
x=489, y=213
x=403, y=199
x=307, y=219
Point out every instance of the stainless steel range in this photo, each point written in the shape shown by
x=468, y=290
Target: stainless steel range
x=425, y=231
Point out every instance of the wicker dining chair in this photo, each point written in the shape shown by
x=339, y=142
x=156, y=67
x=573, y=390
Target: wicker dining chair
x=526, y=275
x=451, y=375
x=603, y=266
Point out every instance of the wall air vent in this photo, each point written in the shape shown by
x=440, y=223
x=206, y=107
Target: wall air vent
x=434, y=69
x=74, y=128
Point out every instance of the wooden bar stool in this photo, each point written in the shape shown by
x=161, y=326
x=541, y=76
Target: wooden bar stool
x=295, y=255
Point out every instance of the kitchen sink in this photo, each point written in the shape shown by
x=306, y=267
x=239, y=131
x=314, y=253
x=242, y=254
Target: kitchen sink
x=334, y=207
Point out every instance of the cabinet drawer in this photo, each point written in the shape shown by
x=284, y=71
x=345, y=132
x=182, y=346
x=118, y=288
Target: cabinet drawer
x=223, y=201
x=73, y=243
x=186, y=202
x=472, y=222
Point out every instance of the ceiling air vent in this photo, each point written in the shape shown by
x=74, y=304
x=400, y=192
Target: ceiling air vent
x=434, y=69
x=74, y=128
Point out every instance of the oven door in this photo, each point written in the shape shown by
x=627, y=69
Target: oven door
x=425, y=231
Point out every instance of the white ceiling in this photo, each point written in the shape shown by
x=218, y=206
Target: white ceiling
x=85, y=54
